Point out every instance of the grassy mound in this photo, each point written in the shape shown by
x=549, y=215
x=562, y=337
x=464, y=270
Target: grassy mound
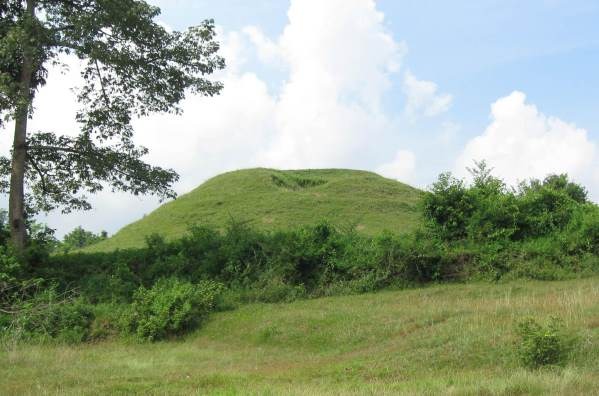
x=450, y=339
x=274, y=199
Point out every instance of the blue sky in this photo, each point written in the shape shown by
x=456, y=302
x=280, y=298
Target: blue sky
x=479, y=50
x=407, y=89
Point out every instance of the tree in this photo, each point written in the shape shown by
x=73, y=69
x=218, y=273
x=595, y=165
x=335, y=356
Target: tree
x=80, y=238
x=133, y=67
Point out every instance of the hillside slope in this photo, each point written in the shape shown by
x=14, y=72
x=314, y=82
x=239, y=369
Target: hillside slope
x=273, y=199
x=439, y=340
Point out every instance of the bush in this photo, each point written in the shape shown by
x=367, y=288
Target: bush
x=107, y=321
x=542, y=345
x=272, y=289
x=487, y=210
x=170, y=308
x=51, y=316
x=589, y=231
x=448, y=207
x=10, y=268
x=80, y=238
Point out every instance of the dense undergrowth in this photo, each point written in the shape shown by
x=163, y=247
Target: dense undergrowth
x=485, y=231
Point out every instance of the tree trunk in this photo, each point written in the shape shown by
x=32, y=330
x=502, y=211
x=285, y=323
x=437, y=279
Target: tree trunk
x=16, y=202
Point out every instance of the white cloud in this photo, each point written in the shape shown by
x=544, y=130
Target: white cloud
x=55, y=104
x=327, y=113
x=268, y=51
x=342, y=46
x=401, y=168
x=214, y=134
x=423, y=98
x=340, y=60
x=522, y=143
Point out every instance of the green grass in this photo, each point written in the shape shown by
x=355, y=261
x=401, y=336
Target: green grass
x=450, y=339
x=272, y=199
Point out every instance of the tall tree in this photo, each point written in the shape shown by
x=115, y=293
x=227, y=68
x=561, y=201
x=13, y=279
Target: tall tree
x=132, y=67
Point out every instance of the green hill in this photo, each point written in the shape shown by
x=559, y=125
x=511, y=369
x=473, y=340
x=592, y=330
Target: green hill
x=274, y=199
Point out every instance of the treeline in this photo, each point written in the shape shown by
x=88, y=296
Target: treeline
x=484, y=230
x=41, y=234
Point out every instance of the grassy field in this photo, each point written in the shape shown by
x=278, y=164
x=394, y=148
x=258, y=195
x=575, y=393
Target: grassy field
x=450, y=339
x=272, y=199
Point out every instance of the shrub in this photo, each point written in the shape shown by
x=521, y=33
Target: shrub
x=51, y=316
x=589, y=230
x=272, y=289
x=305, y=255
x=107, y=321
x=448, y=207
x=105, y=288
x=240, y=254
x=542, y=345
x=488, y=210
x=11, y=273
x=10, y=268
x=171, y=307
x=543, y=210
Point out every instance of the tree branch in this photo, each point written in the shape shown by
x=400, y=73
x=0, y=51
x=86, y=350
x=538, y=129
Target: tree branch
x=83, y=154
x=39, y=172
x=104, y=95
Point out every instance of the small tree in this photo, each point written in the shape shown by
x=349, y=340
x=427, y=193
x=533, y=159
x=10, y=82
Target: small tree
x=484, y=210
x=80, y=238
x=132, y=67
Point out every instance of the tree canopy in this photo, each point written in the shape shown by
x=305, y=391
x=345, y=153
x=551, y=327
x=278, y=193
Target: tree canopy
x=132, y=67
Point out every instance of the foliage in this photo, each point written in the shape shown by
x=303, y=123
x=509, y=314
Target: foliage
x=448, y=207
x=486, y=242
x=4, y=228
x=323, y=259
x=49, y=315
x=170, y=308
x=542, y=344
x=11, y=270
x=80, y=238
x=107, y=323
x=488, y=211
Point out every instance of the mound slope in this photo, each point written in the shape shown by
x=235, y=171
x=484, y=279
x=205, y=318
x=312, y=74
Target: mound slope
x=273, y=199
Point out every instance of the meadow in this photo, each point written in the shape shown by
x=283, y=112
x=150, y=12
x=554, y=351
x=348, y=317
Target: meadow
x=442, y=339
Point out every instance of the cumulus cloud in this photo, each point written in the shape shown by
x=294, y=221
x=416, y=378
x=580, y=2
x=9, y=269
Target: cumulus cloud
x=268, y=50
x=340, y=61
x=55, y=105
x=214, y=134
x=401, y=168
x=522, y=143
x=326, y=113
x=423, y=98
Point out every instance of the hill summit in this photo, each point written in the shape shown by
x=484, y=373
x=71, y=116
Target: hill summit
x=274, y=199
